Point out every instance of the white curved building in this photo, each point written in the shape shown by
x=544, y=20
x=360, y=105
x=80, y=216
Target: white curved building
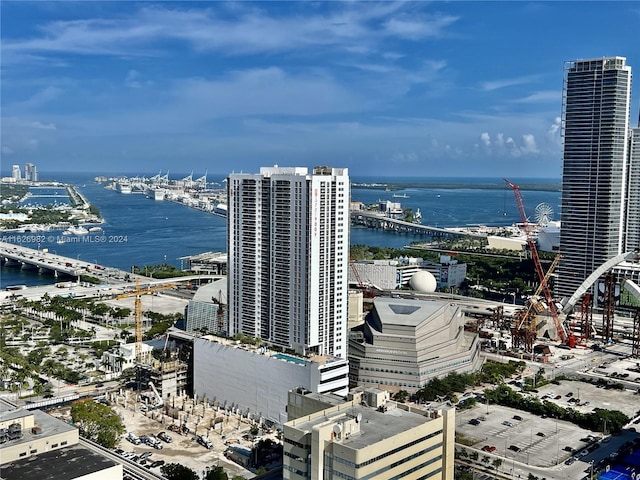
x=404, y=343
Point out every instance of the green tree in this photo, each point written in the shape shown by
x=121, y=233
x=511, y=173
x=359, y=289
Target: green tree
x=176, y=471
x=97, y=422
x=401, y=396
x=216, y=473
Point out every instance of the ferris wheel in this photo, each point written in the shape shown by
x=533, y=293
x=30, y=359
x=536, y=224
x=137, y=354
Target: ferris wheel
x=544, y=214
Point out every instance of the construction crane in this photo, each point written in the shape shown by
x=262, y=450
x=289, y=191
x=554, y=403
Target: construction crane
x=137, y=293
x=536, y=261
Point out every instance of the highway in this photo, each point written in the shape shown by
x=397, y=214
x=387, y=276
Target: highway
x=115, y=281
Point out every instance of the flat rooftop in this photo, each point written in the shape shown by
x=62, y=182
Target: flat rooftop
x=48, y=424
x=375, y=426
x=405, y=311
x=284, y=357
x=62, y=464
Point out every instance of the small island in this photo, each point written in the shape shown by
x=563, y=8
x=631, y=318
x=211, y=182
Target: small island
x=21, y=208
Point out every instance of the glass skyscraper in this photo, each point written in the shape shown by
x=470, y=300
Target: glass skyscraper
x=599, y=207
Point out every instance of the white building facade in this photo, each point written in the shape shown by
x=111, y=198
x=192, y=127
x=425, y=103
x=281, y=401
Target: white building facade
x=257, y=380
x=288, y=254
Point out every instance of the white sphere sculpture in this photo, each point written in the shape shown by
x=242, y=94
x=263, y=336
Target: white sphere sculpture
x=423, y=282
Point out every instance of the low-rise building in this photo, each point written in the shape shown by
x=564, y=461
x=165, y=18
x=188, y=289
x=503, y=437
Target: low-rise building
x=404, y=343
x=396, y=273
x=34, y=444
x=366, y=437
x=256, y=380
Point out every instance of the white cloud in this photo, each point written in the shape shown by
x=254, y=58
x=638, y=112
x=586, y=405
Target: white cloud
x=235, y=29
x=6, y=150
x=41, y=98
x=508, y=82
x=131, y=80
x=529, y=144
x=405, y=158
x=416, y=28
x=553, y=133
x=542, y=97
x=44, y=126
x=485, y=138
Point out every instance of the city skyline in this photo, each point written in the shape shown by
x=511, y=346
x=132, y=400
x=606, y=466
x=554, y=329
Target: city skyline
x=431, y=89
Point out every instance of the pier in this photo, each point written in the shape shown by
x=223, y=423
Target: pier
x=381, y=221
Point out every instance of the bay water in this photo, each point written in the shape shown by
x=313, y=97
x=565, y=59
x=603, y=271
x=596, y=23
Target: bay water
x=143, y=232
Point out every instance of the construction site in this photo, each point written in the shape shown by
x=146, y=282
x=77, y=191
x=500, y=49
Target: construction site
x=572, y=323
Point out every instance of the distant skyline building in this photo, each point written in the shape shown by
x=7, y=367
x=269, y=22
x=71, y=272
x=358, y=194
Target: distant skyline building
x=288, y=257
x=16, y=174
x=597, y=208
x=30, y=172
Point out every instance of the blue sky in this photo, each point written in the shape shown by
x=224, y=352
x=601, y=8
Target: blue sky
x=429, y=89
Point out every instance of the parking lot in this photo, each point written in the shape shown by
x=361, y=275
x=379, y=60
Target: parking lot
x=590, y=397
x=532, y=440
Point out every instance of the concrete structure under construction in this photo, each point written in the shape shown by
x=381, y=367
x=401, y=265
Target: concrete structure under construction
x=34, y=444
x=366, y=437
x=404, y=343
x=256, y=380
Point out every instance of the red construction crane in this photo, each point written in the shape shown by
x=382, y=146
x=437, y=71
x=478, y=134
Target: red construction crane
x=368, y=291
x=536, y=261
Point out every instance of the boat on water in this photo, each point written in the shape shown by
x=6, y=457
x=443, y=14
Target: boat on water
x=400, y=195
x=95, y=229
x=15, y=287
x=73, y=230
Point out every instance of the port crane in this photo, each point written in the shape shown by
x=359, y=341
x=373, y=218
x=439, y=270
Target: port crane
x=137, y=293
x=562, y=334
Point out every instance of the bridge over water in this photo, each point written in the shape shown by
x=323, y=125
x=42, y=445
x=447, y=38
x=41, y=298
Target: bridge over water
x=381, y=221
x=43, y=261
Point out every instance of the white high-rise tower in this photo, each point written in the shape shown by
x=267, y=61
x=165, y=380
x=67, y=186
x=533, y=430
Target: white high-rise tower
x=288, y=257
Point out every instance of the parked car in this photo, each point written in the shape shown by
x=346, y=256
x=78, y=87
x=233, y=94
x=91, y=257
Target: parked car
x=157, y=463
x=488, y=448
x=515, y=448
x=517, y=417
x=165, y=437
x=205, y=442
x=540, y=434
x=474, y=421
x=145, y=455
x=507, y=423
